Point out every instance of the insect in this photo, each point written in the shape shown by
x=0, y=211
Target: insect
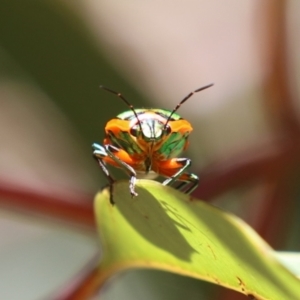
x=146, y=143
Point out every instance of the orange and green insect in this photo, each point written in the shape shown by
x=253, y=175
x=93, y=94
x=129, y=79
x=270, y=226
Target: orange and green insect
x=146, y=143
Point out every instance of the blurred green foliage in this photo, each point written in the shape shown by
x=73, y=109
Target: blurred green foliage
x=49, y=44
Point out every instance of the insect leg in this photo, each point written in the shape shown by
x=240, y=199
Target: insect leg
x=184, y=164
x=187, y=178
x=110, y=150
x=99, y=153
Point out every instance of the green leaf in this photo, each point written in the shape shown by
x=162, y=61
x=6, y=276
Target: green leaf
x=164, y=229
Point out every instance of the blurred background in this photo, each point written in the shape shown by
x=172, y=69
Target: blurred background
x=245, y=143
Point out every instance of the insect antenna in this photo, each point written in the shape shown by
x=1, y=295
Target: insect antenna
x=185, y=99
x=128, y=104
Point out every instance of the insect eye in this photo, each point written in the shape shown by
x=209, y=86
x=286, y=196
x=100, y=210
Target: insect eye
x=167, y=130
x=134, y=131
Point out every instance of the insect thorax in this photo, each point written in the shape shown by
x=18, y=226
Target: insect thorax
x=149, y=124
x=149, y=136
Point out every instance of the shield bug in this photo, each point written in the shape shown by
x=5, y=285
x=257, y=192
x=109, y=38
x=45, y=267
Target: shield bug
x=146, y=143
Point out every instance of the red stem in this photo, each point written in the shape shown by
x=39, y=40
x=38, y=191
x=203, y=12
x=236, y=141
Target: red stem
x=252, y=165
x=77, y=208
